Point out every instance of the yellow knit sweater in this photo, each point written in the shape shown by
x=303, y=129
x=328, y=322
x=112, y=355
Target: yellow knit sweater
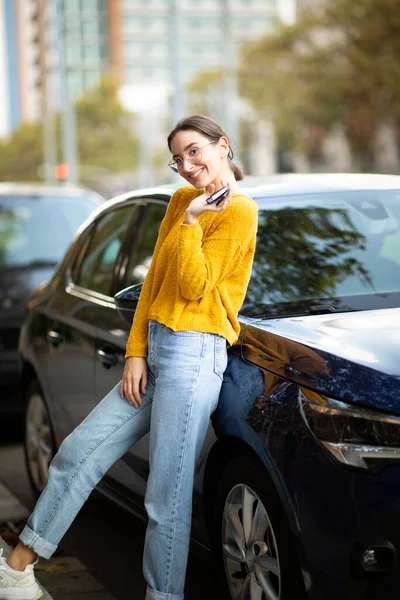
x=199, y=273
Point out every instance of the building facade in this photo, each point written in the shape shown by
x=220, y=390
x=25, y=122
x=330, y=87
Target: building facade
x=86, y=25
x=9, y=91
x=135, y=40
x=4, y=89
x=22, y=51
x=149, y=36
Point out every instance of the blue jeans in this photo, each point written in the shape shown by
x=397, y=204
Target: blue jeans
x=185, y=377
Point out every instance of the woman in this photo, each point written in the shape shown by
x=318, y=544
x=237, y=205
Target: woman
x=175, y=359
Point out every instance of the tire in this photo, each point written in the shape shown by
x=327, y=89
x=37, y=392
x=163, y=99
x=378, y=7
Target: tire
x=39, y=444
x=265, y=567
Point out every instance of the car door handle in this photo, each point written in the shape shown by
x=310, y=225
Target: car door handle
x=55, y=337
x=107, y=358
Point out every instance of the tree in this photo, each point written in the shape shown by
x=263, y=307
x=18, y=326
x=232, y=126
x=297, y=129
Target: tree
x=297, y=77
x=371, y=44
x=340, y=65
x=202, y=90
x=105, y=135
x=21, y=156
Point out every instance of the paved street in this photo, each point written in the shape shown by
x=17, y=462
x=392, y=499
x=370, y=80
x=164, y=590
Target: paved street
x=101, y=553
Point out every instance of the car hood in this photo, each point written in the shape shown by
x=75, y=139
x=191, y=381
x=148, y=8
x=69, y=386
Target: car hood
x=353, y=356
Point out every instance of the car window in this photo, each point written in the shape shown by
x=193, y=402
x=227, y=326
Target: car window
x=330, y=245
x=38, y=228
x=96, y=270
x=143, y=246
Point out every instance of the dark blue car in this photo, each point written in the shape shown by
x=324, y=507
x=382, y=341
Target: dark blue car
x=37, y=224
x=298, y=486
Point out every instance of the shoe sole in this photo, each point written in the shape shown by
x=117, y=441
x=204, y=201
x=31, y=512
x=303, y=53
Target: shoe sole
x=38, y=595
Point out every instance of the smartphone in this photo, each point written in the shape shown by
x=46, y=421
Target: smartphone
x=218, y=196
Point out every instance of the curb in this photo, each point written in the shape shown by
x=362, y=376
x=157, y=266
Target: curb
x=10, y=510
x=6, y=551
x=64, y=576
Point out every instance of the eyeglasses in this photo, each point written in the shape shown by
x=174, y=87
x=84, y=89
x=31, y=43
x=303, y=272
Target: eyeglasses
x=192, y=155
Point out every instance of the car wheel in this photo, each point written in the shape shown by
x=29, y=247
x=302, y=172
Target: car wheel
x=253, y=539
x=39, y=438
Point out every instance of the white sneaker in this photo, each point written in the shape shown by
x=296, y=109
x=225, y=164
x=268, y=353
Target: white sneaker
x=17, y=585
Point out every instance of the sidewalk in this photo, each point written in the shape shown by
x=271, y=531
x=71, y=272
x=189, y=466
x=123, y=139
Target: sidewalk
x=6, y=551
x=61, y=577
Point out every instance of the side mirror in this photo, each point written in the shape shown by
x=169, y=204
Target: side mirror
x=126, y=302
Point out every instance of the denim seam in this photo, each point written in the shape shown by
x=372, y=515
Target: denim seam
x=153, y=354
x=78, y=470
x=217, y=358
x=180, y=471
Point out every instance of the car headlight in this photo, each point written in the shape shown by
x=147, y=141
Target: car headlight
x=355, y=436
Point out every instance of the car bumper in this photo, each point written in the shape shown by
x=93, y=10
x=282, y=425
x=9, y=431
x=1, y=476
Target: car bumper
x=343, y=514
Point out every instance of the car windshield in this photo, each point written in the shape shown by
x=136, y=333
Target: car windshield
x=38, y=229
x=341, y=249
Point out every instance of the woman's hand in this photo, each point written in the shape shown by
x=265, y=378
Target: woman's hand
x=199, y=205
x=133, y=378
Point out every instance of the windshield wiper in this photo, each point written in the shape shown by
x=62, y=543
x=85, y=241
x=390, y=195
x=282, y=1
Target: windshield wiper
x=321, y=309
x=312, y=309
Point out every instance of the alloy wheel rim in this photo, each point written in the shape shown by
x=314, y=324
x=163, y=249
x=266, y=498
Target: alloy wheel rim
x=39, y=444
x=249, y=547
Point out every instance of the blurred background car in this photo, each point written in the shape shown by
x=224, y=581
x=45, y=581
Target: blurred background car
x=37, y=224
x=298, y=485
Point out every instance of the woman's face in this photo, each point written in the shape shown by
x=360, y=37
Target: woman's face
x=206, y=158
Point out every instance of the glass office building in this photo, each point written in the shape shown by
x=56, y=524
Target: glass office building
x=147, y=34
x=87, y=44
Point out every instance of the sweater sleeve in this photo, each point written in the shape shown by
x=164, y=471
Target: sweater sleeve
x=203, y=264
x=137, y=341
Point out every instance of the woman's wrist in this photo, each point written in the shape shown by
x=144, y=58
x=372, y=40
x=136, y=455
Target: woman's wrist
x=190, y=219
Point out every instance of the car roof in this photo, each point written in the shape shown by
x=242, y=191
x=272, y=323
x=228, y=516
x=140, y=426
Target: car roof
x=297, y=184
x=43, y=189
x=260, y=187
x=294, y=184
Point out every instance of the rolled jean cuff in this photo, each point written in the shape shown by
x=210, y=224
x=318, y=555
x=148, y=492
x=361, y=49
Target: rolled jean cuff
x=31, y=539
x=153, y=595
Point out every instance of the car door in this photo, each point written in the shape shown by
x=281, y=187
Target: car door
x=129, y=474
x=112, y=331
x=76, y=313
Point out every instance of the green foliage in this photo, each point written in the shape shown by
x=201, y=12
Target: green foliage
x=105, y=134
x=371, y=43
x=105, y=130
x=341, y=64
x=201, y=89
x=22, y=154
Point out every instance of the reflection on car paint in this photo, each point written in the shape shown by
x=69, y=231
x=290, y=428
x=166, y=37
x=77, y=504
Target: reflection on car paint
x=319, y=370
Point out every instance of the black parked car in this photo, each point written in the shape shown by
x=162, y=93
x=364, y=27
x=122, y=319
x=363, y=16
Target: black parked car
x=37, y=224
x=298, y=485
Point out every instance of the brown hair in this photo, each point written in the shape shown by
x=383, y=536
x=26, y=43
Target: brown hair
x=211, y=130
